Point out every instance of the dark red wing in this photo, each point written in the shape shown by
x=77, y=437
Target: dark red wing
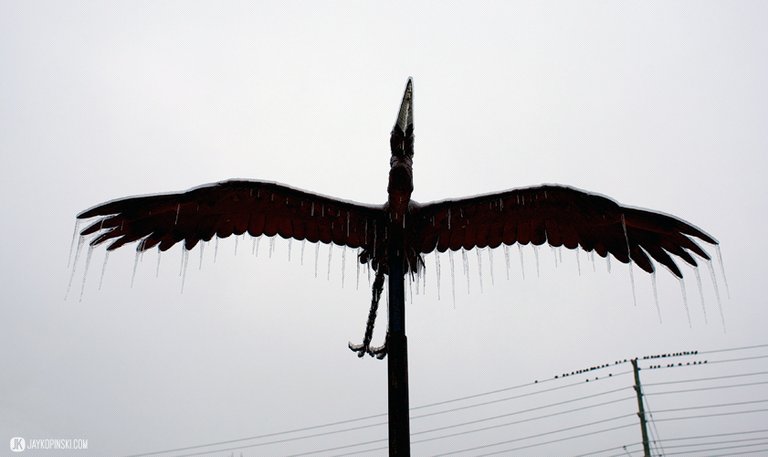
x=560, y=216
x=232, y=207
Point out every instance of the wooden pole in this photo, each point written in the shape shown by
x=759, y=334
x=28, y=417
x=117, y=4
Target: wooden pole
x=397, y=361
x=641, y=409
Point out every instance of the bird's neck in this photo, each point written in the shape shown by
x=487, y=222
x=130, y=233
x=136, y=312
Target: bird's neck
x=400, y=185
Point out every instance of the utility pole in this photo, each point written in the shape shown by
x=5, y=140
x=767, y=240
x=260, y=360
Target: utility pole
x=641, y=409
x=397, y=360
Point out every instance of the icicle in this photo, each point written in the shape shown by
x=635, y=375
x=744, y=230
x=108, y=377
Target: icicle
x=184, y=263
x=465, y=264
x=74, y=265
x=410, y=288
x=272, y=245
x=178, y=209
x=536, y=254
x=722, y=270
x=135, y=264
x=506, y=259
x=330, y=256
x=312, y=210
x=480, y=267
x=578, y=261
x=632, y=280
x=303, y=243
x=157, y=267
x=357, y=272
x=419, y=277
x=215, y=248
x=103, y=268
x=608, y=262
x=317, y=254
x=236, y=243
x=437, y=272
x=202, y=249
x=631, y=275
x=368, y=267
x=85, y=272
x=560, y=253
x=701, y=293
x=522, y=263
x=554, y=254
x=685, y=301
x=255, y=247
x=453, y=278
x=717, y=293
x=592, y=258
x=490, y=263
x=72, y=243
x=343, y=264
x=423, y=272
x=656, y=295
x=290, y=243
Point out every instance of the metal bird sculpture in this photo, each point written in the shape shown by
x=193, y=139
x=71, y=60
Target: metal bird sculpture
x=553, y=214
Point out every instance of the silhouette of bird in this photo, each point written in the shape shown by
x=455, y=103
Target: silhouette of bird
x=553, y=214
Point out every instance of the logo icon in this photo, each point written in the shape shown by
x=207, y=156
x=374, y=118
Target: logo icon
x=18, y=444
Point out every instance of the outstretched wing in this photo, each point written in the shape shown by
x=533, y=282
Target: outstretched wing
x=231, y=207
x=560, y=216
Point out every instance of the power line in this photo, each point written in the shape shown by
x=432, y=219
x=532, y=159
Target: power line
x=266, y=435
x=506, y=424
x=754, y=451
x=719, y=405
x=539, y=434
x=734, y=349
x=557, y=440
x=485, y=419
x=362, y=418
x=678, y=446
x=514, y=398
x=707, y=388
x=591, y=453
x=512, y=388
x=718, y=448
x=713, y=378
x=700, y=416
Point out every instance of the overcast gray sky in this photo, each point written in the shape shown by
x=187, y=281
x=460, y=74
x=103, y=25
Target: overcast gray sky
x=660, y=105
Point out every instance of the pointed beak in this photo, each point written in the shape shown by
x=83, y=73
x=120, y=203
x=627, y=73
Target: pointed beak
x=405, y=116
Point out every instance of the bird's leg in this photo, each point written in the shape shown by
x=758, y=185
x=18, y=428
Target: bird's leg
x=362, y=349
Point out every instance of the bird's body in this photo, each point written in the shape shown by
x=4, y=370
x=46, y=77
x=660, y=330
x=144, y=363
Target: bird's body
x=553, y=214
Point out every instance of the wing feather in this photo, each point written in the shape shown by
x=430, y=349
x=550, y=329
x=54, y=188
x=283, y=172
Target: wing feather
x=560, y=216
x=230, y=208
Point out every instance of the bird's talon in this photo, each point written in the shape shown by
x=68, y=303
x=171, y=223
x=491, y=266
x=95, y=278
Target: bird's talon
x=378, y=352
x=361, y=349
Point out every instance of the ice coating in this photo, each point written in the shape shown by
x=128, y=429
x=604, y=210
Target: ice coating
x=480, y=268
x=104, y=268
x=701, y=294
x=717, y=293
x=685, y=301
x=80, y=242
x=656, y=295
x=506, y=259
x=453, y=278
x=85, y=271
